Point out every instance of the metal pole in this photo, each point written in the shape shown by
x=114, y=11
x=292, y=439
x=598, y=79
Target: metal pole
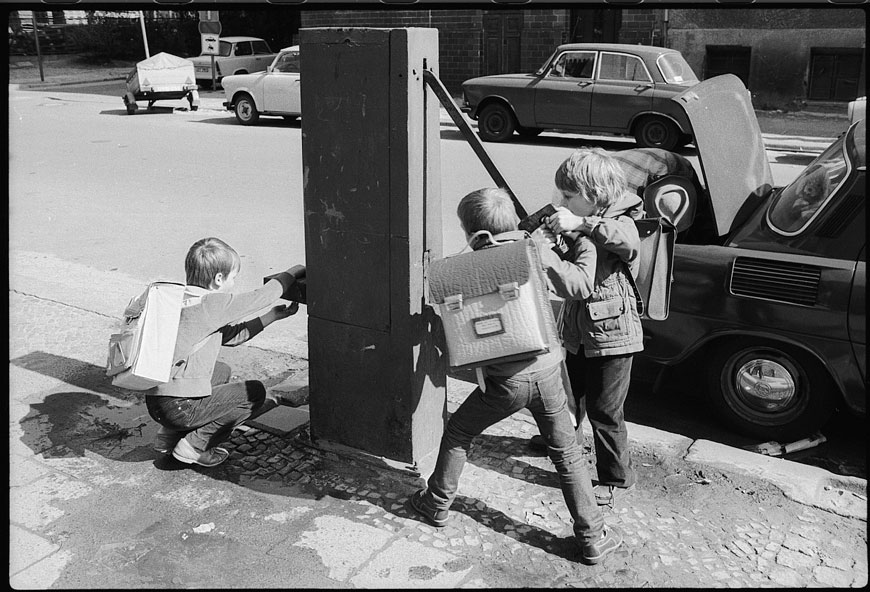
x=213, y=87
x=38, y=52
x=144, y=35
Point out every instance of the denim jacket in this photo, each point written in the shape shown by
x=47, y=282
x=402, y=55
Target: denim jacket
x=607, y=323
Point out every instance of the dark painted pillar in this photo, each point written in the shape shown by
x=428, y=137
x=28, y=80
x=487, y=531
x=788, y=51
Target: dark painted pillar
x=371, y=167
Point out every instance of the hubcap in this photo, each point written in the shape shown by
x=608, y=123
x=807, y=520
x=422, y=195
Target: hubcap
x=245, y=110
x=765, y=385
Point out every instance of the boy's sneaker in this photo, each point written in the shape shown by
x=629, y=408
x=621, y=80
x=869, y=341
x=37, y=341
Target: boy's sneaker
x=186, y=453
x=605, y=495
x=434, y=517
x=593, y=552
x=166, y=440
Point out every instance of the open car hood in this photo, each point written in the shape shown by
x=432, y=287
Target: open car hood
x=730, y=147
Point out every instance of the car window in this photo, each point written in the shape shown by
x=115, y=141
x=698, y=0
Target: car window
x=261, y=47
x=288, y=62
x=225, y=48
x=243, y=48
x=574, y=64
x=619, y=66
x=801, y=201
x=676, y=70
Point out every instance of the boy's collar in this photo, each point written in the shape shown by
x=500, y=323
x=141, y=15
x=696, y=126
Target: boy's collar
x=196, y=290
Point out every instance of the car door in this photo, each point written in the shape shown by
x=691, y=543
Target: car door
x=281, y=87
x=563, y=95
x=242, y=57
x=623, y=87
x=858, y=314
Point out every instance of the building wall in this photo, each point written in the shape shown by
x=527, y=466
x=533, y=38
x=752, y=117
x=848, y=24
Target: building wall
x=781, y=41
x=460, y=34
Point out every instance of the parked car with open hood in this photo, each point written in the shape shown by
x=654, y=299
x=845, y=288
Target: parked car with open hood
x=273, y=92
x=236, y=55
x=770, y=307
x=588, y=87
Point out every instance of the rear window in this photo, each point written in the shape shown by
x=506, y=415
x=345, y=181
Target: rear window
x=676, y=70
x=225, y=48
x=802, y=200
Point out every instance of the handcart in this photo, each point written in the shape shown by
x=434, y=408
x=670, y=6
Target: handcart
x=162, y=76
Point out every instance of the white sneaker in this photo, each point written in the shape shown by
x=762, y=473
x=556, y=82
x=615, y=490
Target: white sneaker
x=186, y=453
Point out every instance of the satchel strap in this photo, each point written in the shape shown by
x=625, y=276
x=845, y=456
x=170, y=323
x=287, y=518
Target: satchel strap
x=638, y=297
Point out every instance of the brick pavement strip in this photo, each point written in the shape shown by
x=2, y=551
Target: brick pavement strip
x=90, y=505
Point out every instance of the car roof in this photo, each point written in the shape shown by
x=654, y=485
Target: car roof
x=636, y=49
x=233, y=39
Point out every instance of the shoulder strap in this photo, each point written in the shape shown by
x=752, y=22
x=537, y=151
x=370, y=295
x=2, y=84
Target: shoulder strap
x=640, y=304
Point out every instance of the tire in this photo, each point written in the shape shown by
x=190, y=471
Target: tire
x=130, y=103
x=496, y=123
x=529, y=132
x=795, y=397
x=246, y=110
x=657, y=132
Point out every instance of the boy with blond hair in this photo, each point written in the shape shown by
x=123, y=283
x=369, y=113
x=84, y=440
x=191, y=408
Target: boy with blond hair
x=534, y=383
x=603, y=332
x=196, y=409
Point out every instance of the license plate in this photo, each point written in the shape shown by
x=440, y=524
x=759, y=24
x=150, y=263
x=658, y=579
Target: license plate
x=202, y=68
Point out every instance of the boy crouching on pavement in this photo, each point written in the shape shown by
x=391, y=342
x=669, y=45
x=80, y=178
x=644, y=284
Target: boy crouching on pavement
x=196, y=409
x=534, y=383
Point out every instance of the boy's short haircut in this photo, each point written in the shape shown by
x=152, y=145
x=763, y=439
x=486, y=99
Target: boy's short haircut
x=207, y=258
x=593, y=173
x=487, y=209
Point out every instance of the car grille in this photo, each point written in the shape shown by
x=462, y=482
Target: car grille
x=781, y=281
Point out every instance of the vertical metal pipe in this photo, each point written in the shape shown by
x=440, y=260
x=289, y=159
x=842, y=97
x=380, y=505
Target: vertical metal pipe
x=144, y=35
x=38, y=52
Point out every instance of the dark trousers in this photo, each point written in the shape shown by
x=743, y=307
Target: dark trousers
x=543, y=394
x=600, y=387
x=208, y=421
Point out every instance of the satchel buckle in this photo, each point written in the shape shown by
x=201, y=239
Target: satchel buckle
x=453, y=303
x=509, y=291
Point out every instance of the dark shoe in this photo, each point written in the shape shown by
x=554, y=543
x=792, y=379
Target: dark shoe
x=296, y=398
x=594, y=552
x=166, y=440
x=186, y=453
x=434, y=517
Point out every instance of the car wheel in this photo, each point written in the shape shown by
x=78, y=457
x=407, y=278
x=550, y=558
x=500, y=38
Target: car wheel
x=657, y=132
x=495, y=123
x=771, y=392
x=529, y=132
x=246, y=110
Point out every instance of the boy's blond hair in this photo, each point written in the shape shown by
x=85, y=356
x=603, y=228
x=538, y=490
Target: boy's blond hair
x=487, y=209
x=593, y=173
x=207, y=258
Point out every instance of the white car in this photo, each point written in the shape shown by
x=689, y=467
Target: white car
x=273, y=92
x=237, y=55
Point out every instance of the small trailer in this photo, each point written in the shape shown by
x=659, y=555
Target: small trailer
x=160, y=77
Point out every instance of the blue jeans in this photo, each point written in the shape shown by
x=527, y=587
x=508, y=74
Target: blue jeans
x=208, y=421
x=542, y=393
x=600, y=387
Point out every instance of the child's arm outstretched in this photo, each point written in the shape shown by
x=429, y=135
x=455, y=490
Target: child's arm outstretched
x=233, y=335
x=573, y=278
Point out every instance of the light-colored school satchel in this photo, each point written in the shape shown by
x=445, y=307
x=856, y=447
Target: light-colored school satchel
x=141, y=353
x=652, y=286
x=493, y=302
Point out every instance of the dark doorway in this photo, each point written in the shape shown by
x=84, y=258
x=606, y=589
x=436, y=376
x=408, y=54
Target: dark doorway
x=834, y=74
x=501, y=42
x=728, y=59
x=595, y=25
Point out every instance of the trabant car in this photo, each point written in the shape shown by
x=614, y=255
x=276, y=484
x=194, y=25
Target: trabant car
x=273, y=92
x=236, y=55
x=588, y=87
x=767, y=313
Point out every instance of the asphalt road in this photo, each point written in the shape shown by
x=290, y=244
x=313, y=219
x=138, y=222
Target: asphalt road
x=95, y=186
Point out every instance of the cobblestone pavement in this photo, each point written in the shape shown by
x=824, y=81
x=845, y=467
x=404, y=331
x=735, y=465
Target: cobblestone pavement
x=691, y=528
x=91, y=505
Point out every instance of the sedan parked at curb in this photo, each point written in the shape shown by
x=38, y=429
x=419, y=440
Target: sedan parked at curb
x=273, y=92
x=236, y=55
x=588, y=87
x=767, y=310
